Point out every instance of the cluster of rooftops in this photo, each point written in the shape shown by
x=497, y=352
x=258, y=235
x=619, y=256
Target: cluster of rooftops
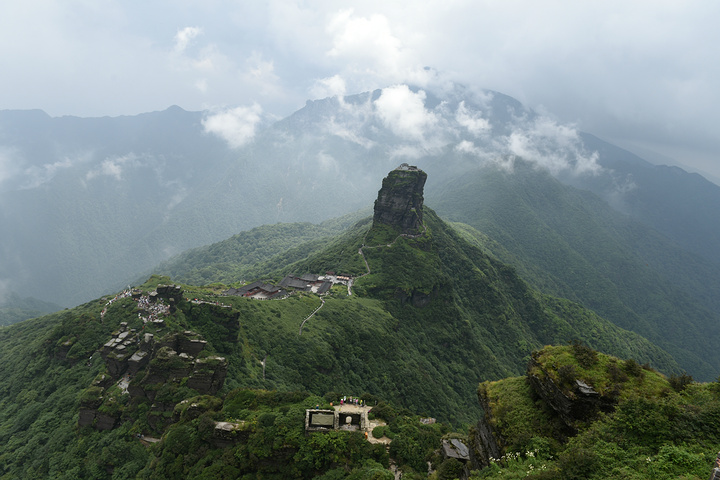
x=308, y=282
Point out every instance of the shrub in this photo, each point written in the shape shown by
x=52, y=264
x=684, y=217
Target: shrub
x=616, y=374
x=449, y=469
x=632, y=368
x=567, y=375
x=385, y=411
x=585, y=356
x=266, y=420
x=578, y=463
x=91, y=395
x=680, y=382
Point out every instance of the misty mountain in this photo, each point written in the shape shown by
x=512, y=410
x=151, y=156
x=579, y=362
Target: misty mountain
x=87, y=204
x=432, y=316
x=570, y=243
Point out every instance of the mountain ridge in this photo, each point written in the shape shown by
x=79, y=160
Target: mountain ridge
x=430, y=315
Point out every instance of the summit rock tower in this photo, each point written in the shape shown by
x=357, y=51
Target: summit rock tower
x=400, y=199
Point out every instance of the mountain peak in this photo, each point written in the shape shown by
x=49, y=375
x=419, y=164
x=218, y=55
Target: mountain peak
x=400, y=199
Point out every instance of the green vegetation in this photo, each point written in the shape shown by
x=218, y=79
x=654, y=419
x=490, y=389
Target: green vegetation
x=652, y=431
x=435, y=316
x=608, y=375
x=568, y=243
x=253, y=253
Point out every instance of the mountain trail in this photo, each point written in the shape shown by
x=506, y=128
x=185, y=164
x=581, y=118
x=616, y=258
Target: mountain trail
x=362, y=254
x=322, y=304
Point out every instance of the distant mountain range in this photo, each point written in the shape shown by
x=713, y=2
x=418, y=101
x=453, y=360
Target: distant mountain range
x=88, y=205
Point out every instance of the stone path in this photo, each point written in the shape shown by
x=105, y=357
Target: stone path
x=367, y=265
x=348, y=408
x=322, y=303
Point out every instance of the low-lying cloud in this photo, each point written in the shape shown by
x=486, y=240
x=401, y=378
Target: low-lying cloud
x=552, y=146
x=34, y=176
x=474, y=122
x=468, y=128
x=114, y=166
x=403, y=111
x=237, y=126
x=9, y=164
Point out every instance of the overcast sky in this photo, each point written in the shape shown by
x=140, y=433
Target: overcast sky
x=641, y=73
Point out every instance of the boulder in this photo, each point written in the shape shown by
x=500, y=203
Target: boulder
x=138, y=360
x=86, y=417
x=227, y=434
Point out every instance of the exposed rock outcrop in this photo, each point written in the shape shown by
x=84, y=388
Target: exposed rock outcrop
x=118, y=350
x=485, y=443
x=208, y=375
x=154, y=364
x=400, y=200
x=227, y=434
x=578, y=404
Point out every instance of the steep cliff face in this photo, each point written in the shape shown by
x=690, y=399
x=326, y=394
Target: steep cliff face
x=485, y=443
x=400, y=200
x=575, y=404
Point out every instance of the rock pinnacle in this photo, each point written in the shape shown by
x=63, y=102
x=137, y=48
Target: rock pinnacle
x=400, y=199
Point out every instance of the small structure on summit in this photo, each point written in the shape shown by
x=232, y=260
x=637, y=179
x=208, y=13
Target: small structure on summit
x=327, y=420
x=400, y=199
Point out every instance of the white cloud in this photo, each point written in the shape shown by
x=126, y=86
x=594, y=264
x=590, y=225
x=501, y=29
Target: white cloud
x=404, y=112
x=260, y=75
x=175, y=199
x=236, y=126
x=36, y=176
x=468, y=147
x=327, y=162
x=472, y=121
x=184, y=37
x=348, y=133
x=329, y=87
x=550, y=145
x=113, y=166
x=367, y=40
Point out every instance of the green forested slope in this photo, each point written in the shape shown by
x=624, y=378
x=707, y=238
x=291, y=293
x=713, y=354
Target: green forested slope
x=570, y=244
x=246, y=254
x=433, y=318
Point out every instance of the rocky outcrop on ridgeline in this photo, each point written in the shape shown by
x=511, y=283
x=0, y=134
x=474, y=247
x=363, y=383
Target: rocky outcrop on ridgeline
x=485, y=442
x=575, y=402
x=564, y=390
x=147, y=366
x=118, y=350
x=206, y=375
x=400, y=200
